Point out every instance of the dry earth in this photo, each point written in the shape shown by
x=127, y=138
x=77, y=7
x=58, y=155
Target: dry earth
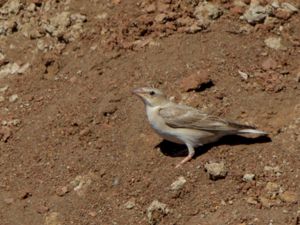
x=76, y=147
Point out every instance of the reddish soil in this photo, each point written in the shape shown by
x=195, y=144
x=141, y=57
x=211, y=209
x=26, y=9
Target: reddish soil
x=76, y=145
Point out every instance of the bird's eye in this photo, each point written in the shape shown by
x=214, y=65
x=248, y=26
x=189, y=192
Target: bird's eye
x=152, y=93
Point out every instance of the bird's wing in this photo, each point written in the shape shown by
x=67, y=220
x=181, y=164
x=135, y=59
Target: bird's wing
x=181, y=116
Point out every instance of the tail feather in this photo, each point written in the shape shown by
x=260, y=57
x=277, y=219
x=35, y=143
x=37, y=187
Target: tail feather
x=252, y=131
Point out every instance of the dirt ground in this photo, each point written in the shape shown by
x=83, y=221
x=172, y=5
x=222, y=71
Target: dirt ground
x=76, y=146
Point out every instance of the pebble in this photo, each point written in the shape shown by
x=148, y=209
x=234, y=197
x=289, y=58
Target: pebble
x=248, y=177
x=216, y=170
x=251, y=201
x=274, y=169
x=61, y=191
x=52, y=219
x=92, y=214
x=283, y=14
x=81, y=183
x=289, y=7
x=130, y=204
x=289, y=197
x=4, y=89
x=8, y=201
x=161, y=18
x=272, y=187
x=243, y=75
x=11, y=7
x=178, y=184
x=274, y=43
x=256, y=14
x=156, y=211
x=5, y=133
x=195, y=81
x=13, y=68
x=42, y=209
x=207, y=11
x=13, y=98
x=2, y=99
x=116, y=181
x=268, y=203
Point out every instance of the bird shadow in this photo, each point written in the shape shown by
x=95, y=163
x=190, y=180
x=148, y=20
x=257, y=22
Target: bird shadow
x=177, y=150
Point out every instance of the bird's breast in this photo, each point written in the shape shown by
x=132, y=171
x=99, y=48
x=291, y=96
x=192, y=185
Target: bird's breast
x=158, y=124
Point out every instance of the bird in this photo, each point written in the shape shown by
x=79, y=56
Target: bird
x=183, y=124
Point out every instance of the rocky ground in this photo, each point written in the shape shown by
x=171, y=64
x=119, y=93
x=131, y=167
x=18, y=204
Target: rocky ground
x=75, y=145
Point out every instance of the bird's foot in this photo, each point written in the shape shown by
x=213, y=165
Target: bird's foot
x=186, y=159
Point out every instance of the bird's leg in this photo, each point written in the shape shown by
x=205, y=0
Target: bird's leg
x=189, y=157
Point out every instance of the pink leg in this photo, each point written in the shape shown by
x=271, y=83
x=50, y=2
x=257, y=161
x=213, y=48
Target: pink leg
x=188, y=158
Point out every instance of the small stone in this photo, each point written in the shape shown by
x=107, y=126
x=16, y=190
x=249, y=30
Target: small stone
x=116, y=181
x=42, y=209
x=216, y=170
x=162, y=7
x=92, y=214
x=275, y=4
x=116, y=2
x=196, y=81
x=25, y=195
x=130, y=204
x=13, y=98
x=195, y=27
x=52, y=219
x=4, y=89
x=251, y=201
x=239, y=3
x=2, y=99
x=289, y=7
x=156, y=211
x=13, y=68
x=243, y=75
x=238, y=10
x=289, y=197
x=102, y=16
x=283, y=14
x=161, y=18
x=272, y=187
x=81, y=183
x=8, y=201
x=14, y=122
x=207, y=11
x=256, y=14
x=150, y=8
x=178, y=184
x=248, y=177
x=267, y=202
x=61, y=191
x=11, y=7
x=85, y=132
x=269, y=64
x=5, y=133
x=274, y=169
x=31, y=7
x=274, y=43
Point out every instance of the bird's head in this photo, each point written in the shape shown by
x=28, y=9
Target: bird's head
x=151, y=96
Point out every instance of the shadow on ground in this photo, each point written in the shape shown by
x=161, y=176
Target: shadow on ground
x=177, y=150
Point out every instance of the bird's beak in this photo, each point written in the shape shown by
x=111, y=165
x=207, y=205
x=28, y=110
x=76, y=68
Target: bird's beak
x=138, y=91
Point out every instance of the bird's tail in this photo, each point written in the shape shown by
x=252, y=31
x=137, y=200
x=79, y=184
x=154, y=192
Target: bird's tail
x=252, y=131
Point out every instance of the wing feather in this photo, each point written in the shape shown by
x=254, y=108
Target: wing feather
x=181, y=116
